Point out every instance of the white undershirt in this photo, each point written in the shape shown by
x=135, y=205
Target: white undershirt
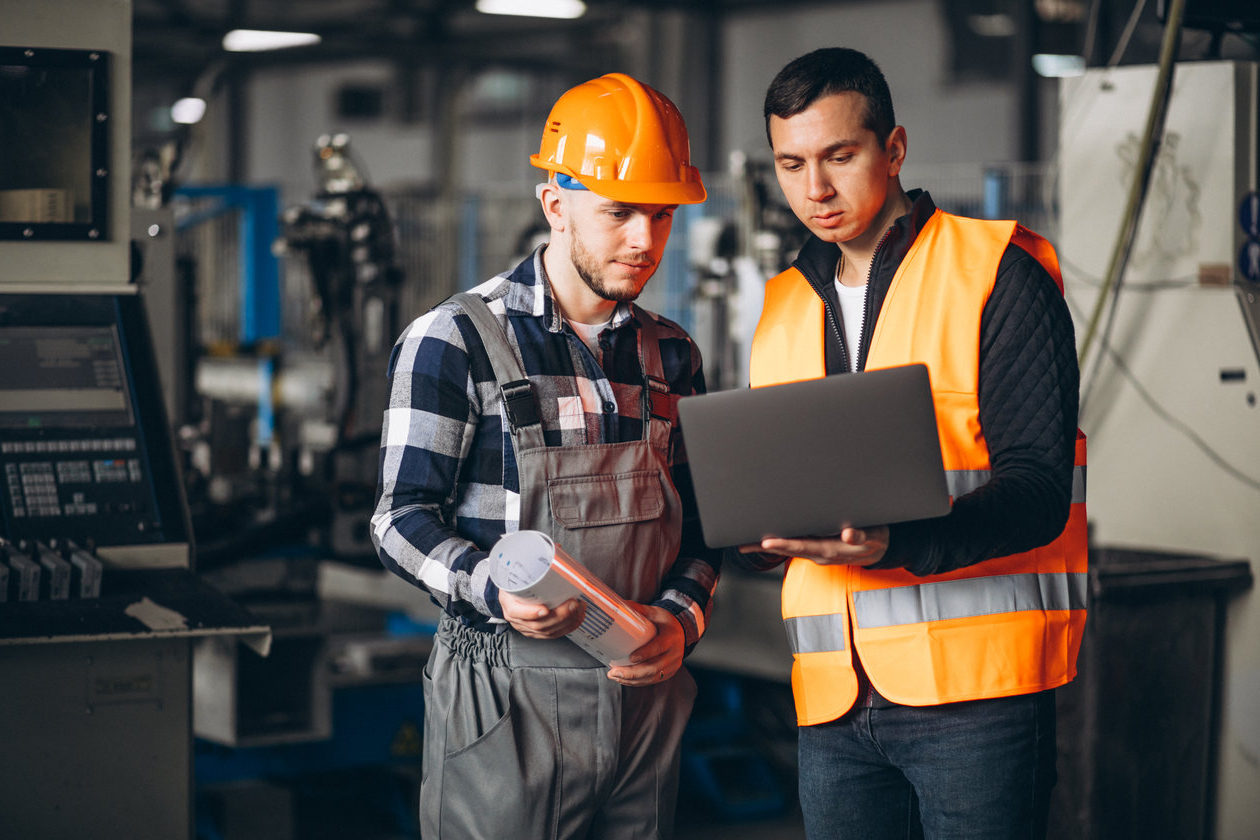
x=589, y=333
x=852, y=308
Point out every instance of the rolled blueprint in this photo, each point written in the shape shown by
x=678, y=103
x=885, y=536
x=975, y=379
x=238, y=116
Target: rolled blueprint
x=530, y=565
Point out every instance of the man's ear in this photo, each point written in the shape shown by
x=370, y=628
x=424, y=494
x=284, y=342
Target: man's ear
x=553, y=205
x=898, y=143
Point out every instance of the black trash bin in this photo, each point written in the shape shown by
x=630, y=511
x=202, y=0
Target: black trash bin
x=1137, y=728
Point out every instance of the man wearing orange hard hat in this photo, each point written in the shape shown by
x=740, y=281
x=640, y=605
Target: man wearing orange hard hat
x=544, y=399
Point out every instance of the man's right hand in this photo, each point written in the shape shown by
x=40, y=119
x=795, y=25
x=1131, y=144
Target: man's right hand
x=853, y=547
x=537, y=621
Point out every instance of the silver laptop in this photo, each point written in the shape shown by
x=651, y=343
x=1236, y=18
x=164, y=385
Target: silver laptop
x=812, y=458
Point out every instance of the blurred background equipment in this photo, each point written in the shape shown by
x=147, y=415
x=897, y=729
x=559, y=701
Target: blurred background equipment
x=285, y=422
x=103, y=606
x=347, y=239
x=152, y=173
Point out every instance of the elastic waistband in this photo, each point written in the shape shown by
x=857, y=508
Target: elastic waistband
x=510, y=649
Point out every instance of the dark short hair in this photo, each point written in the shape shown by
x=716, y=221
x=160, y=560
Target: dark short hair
x=824, y=72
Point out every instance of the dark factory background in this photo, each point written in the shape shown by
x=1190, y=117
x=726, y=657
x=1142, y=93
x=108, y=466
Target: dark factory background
x=224, y=656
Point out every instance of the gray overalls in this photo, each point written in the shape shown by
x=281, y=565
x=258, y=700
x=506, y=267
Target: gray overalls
x=528, y=739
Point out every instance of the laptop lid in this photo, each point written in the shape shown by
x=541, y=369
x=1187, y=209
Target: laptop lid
x=811, y=458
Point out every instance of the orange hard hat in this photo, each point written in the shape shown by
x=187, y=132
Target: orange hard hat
x=621, y=140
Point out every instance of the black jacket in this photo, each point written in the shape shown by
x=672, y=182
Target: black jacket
x=1028, y=398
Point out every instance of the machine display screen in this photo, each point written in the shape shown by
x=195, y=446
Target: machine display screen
x=62, y=377
x=85, y=452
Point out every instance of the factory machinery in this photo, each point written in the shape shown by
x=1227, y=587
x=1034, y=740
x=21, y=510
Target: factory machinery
x=164, y=624
x=191, y=386
x=100, y=606
x=279, y=436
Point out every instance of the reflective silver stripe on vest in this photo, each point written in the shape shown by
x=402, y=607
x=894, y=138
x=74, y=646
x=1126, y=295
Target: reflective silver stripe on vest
x=991, y=595
x=815, y=633
x=961, y=482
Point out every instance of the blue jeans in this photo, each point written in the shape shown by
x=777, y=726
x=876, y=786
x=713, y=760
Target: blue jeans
x=980, y=770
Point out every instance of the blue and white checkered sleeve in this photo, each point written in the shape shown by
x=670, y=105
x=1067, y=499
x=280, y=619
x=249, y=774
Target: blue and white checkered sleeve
x=426, y=435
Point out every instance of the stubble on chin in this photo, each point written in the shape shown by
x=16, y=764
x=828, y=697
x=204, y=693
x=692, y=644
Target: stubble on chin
x=592, y=275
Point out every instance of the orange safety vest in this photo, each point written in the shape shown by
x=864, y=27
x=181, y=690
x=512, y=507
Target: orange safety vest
x=1006, y=626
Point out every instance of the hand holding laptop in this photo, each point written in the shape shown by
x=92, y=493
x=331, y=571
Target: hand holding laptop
x=853, y=547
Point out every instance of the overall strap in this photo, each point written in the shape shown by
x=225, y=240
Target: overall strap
x=656, y=397
x=519, y=401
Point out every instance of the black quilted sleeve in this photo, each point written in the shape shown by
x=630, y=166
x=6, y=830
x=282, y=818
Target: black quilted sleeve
x=1029, y=384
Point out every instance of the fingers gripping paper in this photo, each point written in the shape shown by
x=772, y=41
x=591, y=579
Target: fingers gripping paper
x=530, y=565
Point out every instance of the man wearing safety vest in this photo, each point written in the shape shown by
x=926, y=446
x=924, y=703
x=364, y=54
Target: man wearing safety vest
x=925, y=653
x=546, y=400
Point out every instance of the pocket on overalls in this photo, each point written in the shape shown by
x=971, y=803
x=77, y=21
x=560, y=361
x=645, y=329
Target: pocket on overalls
x=505, y=782
x=594, y=500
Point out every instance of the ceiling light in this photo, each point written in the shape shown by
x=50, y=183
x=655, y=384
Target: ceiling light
x=188, y=111
x=259, y=40
x=1058, y=66
x=567, y=9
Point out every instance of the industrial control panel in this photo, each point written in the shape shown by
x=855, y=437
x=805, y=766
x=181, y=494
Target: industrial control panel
x=88, y=482
x=84, y=450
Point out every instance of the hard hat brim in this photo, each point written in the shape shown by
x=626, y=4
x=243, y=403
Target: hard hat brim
x=636, y=192
x=690, y=192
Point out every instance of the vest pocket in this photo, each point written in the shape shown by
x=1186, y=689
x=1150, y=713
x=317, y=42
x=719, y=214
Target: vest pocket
x=593, y=500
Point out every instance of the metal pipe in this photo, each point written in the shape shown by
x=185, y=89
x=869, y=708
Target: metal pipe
x=304, y=385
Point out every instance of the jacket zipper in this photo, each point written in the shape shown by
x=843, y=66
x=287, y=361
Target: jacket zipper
x=864, y=345
x=864, y=342
x=835, y=327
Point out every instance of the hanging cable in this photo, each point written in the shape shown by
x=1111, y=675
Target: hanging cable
x=1122, y=44
x=1091, y=30
x=1141, y=180
x=1183, y=428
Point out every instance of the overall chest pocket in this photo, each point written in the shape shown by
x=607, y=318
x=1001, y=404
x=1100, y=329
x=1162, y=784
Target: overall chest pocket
x=593, y=500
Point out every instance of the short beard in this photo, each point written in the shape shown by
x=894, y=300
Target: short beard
x=588, y=270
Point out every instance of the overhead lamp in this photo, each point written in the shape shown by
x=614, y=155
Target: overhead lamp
x=1058, y=66
x=261, y=40
x=188, y=111
x=565, y=9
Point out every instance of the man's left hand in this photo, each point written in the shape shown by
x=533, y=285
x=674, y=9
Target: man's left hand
x=854, y=547
x=659, y=658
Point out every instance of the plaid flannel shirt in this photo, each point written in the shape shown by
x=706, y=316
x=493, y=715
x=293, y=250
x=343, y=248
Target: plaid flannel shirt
x=448, y=485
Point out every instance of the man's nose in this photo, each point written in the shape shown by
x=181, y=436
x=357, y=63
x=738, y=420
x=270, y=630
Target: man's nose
x=641, y=233
x=818, y=185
